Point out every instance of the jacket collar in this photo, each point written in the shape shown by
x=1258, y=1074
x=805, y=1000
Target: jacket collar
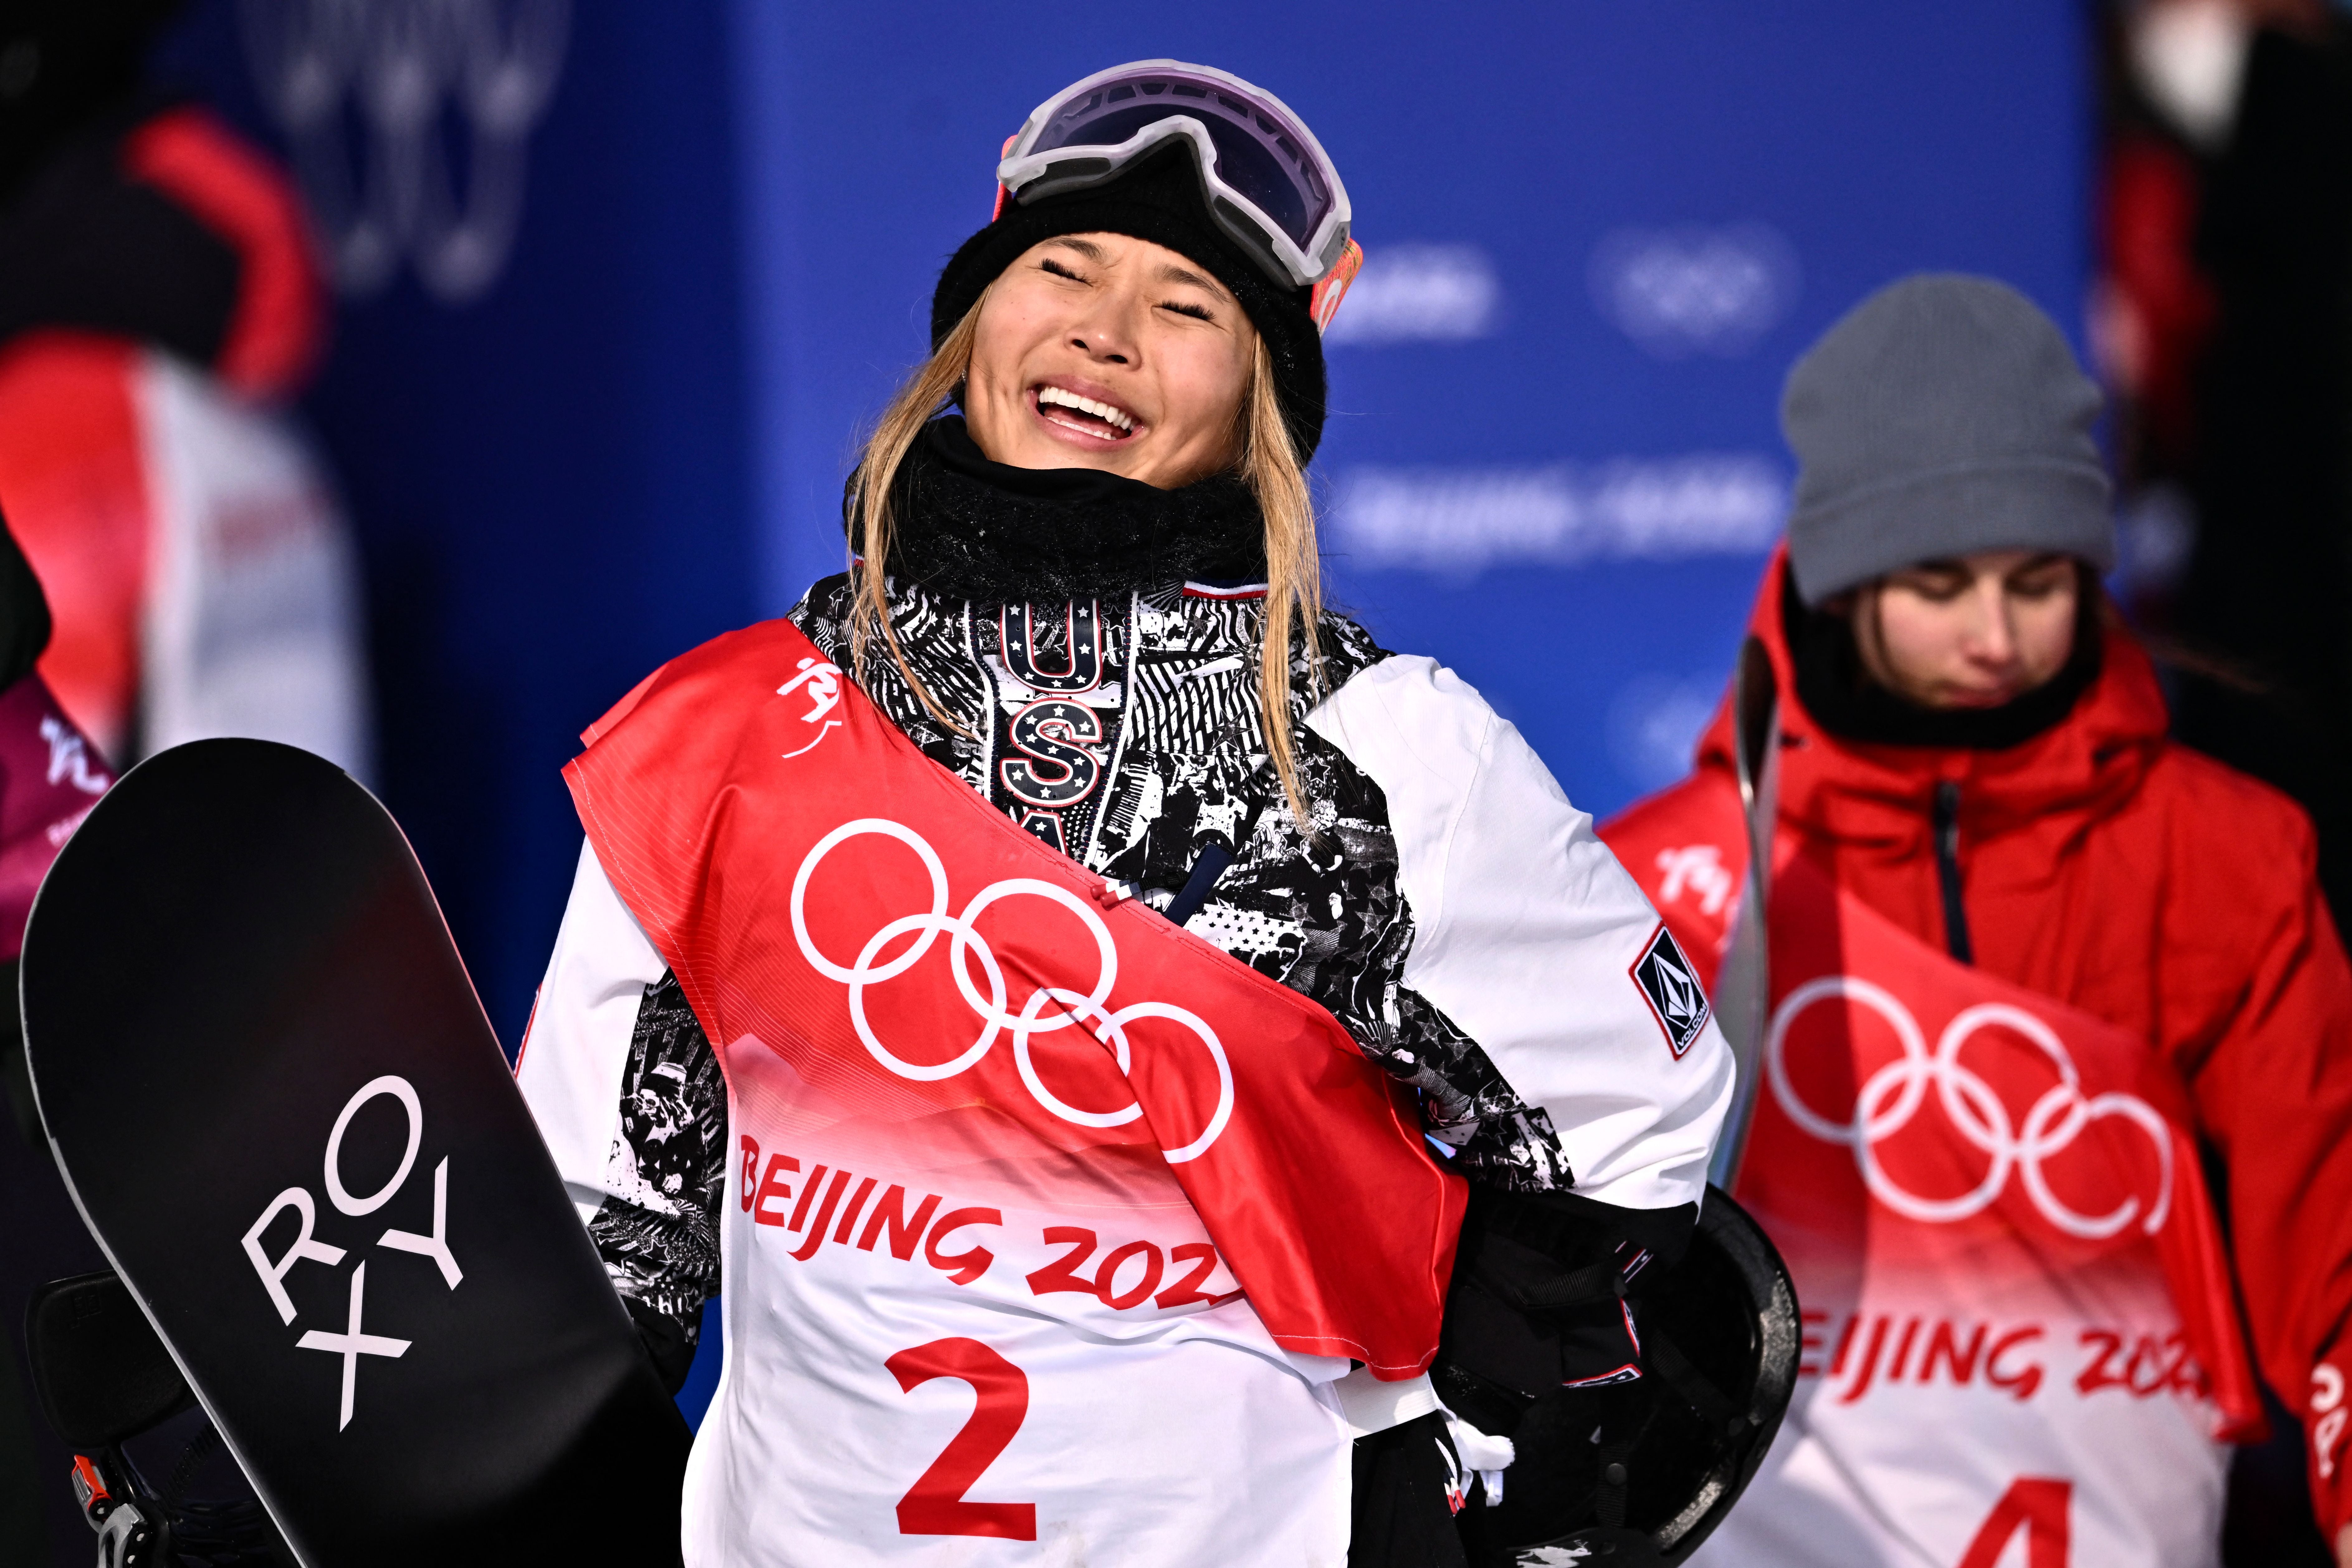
x=2079, y=770
x=971, y=529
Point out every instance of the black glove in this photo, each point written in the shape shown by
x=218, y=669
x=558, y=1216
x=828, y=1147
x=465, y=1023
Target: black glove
x=1541, y=1344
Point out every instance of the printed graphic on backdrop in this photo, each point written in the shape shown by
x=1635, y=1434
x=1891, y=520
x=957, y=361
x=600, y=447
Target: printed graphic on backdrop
x=1686, y=291
x=369, y=93
x=1457, y=523
x=1420, y=294
x=1675, y=292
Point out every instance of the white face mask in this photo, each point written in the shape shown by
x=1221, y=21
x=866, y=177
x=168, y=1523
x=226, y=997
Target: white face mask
x=2190, y=57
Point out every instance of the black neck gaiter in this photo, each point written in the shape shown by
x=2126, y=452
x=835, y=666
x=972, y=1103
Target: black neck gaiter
x=966, y=528
x=1845, y=700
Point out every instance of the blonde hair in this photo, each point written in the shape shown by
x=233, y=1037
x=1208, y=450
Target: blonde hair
x=1268, y=464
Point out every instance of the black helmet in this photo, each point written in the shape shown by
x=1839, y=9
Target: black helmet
x=1642, y=1471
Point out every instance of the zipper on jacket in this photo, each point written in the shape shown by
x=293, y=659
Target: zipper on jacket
x=1947, y=870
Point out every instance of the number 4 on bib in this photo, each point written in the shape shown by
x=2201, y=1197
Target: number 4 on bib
x=2036, y=1505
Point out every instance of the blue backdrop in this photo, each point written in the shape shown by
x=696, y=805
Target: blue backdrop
x=1597, y=233
x=1596, y=236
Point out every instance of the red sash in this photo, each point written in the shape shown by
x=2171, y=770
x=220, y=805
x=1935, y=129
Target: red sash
x=832, y=900
x=1921, y=1121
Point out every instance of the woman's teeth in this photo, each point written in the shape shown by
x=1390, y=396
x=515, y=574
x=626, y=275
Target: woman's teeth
x=1118, y=418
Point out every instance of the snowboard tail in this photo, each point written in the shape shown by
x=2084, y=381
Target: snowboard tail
x=277, y=1100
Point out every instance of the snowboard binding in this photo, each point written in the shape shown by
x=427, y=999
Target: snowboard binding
x=111, y=1391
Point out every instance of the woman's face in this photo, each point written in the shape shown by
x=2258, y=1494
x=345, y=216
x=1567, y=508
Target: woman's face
x=1975, y=632
x=1099, y=351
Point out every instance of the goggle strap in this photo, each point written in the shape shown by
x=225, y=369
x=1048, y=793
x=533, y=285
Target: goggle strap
x=1324, y=303
x=1003, y=192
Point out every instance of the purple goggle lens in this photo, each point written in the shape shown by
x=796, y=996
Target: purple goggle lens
x=1262, y=154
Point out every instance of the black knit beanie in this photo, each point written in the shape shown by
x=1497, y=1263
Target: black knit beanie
x=1160, y=200
x=1943, y=416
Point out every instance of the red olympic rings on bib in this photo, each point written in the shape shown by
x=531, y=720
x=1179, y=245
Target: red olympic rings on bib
x=1888, y=1098
x=966, y=945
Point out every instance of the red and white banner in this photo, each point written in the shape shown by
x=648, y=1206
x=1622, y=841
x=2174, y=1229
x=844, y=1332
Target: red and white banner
x=2020, y=1344
x=1051, y=1223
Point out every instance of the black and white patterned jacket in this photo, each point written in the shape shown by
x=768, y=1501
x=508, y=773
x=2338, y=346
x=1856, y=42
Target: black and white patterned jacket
x=1444, y=901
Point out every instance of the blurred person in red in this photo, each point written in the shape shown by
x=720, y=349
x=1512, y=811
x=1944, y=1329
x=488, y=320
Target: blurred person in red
x=2224, y=328
x=2030, y=964
x=50, y=778
x=157, y=298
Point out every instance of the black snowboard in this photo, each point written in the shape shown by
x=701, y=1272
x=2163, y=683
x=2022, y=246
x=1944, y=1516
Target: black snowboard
x=248, y=1025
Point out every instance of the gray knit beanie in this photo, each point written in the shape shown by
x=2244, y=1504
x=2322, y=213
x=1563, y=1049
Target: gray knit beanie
x=1943, y=416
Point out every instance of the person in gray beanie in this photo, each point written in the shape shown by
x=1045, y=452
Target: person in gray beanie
x=2001, y=881
x=1943, y=416
x=1950, y=520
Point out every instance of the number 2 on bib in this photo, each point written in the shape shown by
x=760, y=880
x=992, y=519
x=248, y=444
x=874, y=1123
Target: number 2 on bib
x=935, y=1504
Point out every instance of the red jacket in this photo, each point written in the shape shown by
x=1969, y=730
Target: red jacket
x=84, y=473
x=2139, y=880
x=192, y=554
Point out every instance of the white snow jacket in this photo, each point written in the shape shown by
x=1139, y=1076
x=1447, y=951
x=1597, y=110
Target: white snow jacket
x=1445, y=902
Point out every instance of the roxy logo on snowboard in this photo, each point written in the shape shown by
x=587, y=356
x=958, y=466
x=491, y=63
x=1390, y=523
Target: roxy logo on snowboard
x=273, y=1261
x=1671, y=987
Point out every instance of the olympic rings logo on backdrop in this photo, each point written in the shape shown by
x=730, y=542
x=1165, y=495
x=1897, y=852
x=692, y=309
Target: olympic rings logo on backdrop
x=1888, y=1099
x=493, y=62
x=966, y=945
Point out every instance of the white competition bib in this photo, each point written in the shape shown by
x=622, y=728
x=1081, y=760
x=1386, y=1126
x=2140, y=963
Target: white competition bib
x=2020, y=1346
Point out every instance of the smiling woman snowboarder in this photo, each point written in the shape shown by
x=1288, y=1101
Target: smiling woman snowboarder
x=1069, y=1229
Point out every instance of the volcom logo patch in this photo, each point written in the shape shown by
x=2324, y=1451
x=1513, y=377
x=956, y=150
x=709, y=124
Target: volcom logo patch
x=1671, y=987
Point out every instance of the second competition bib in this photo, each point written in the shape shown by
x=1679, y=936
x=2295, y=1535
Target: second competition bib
x=2020, y=1340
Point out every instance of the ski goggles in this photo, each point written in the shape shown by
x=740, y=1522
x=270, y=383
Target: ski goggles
x=1268, y=184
